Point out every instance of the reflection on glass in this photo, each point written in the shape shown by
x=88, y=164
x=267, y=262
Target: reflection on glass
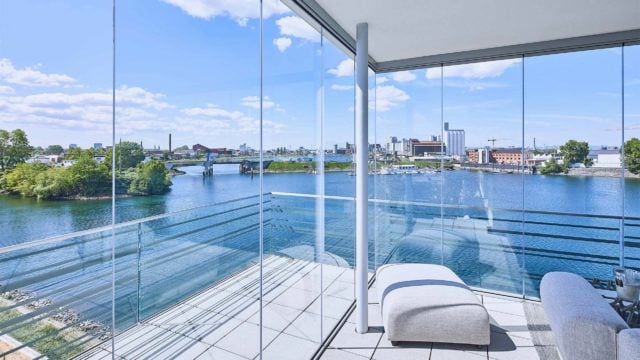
x=408, y=183
x=573, y=130
x=631, y=150
x=55, y=135
x=483, y=164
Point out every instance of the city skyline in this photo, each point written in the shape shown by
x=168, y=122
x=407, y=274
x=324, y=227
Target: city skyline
x=212, y=96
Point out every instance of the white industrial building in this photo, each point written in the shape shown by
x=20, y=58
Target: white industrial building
x=454, y=141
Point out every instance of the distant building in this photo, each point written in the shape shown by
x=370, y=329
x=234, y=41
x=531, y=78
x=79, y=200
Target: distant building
x=424, y=148
x=541, y=159
x=97, y=146
x=479, y=156
x=606, y=157
x=68, y=162
x=73, y=146
x=511, y=156
x=44, y=159
x=454, y=141
x=219, y=151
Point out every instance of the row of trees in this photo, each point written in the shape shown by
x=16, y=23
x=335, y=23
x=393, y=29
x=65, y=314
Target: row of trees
x=577, y=152
x=85, y=178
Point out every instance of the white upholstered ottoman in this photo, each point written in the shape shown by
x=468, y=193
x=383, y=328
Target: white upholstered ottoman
x=430, y=303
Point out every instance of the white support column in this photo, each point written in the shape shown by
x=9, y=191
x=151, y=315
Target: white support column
x=362, y=175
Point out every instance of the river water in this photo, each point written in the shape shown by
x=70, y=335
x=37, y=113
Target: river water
x=24, y=219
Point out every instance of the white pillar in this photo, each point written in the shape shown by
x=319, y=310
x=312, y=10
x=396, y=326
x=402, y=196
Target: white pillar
x=362, y=175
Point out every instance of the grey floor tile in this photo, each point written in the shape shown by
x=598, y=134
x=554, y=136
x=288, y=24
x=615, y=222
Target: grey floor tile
x=457, y=352
x=214, y=353
x=208, y=333
x=287, y=347
x=402, y=354
x=276, y=317
x=308, y=326
x=336, y=354
x=296, y=298
x=340, y=289
x=245, y=340
x=330, y=306
x=159, y=344
x=350, y=341
x=505, y=347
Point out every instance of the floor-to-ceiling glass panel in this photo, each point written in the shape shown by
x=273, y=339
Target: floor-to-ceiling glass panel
x=632, y=155
x=187, y=129
x=407, y=153
x=482, y=174
x=294, y=254
x=55, y=130
x=339, y=203
x=573, y=190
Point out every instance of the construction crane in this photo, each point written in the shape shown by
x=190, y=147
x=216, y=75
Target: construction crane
x=493, y=142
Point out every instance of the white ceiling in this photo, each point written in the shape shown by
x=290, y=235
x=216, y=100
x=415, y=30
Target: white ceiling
x=406, y=29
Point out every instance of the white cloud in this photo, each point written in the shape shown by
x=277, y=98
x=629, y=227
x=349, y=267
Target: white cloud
x=381, y=80
x=474, y=71
x=213, y=117
x=473, y=85
x=30, y=76
x=6, y=90
x=387, y=97
x=344, y=68
x=403, y=76
x=341, y=87
x=282, y=43
x=136, y=108
x=297, y=27
x=254, y=102
x=238, y=10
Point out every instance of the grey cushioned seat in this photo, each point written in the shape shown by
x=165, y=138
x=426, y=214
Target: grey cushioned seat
x=629, y=344
x=430, y=303
x=584, y=325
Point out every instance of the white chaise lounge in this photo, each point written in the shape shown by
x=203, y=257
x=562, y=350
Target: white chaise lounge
x=430, y=303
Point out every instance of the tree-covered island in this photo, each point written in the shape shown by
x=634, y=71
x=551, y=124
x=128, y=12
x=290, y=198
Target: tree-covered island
x=80, y=173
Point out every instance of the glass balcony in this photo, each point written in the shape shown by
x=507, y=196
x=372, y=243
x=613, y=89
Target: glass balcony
x=196, y=273
x=178, y=179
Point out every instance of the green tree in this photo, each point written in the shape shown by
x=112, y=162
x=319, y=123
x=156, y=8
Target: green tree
x=574, y=152
x=152, y=178
x=90, y=178
x=551, y=166
x=22, y=179
x=128, y=155
x=4, y=148
x=73, y=154
x=14, y=148
x=54, y=183
x=54, y=150
x=632, y=155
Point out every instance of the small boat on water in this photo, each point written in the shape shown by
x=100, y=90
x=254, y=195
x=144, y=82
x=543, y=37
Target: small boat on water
x=404, y=170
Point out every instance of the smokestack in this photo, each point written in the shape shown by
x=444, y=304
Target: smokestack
x=169, y=143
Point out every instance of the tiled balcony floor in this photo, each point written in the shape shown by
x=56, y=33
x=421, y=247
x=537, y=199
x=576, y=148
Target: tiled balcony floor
x=519, y=331
x=223, y=322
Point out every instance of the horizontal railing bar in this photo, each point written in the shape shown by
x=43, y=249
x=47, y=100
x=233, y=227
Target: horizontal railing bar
x=54, y=239
x=453, y=206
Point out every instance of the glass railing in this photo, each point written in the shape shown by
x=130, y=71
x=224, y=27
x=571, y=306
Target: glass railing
x=56, y=293
x=506, y=250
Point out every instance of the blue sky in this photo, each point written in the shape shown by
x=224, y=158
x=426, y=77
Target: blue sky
x=191, y=68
